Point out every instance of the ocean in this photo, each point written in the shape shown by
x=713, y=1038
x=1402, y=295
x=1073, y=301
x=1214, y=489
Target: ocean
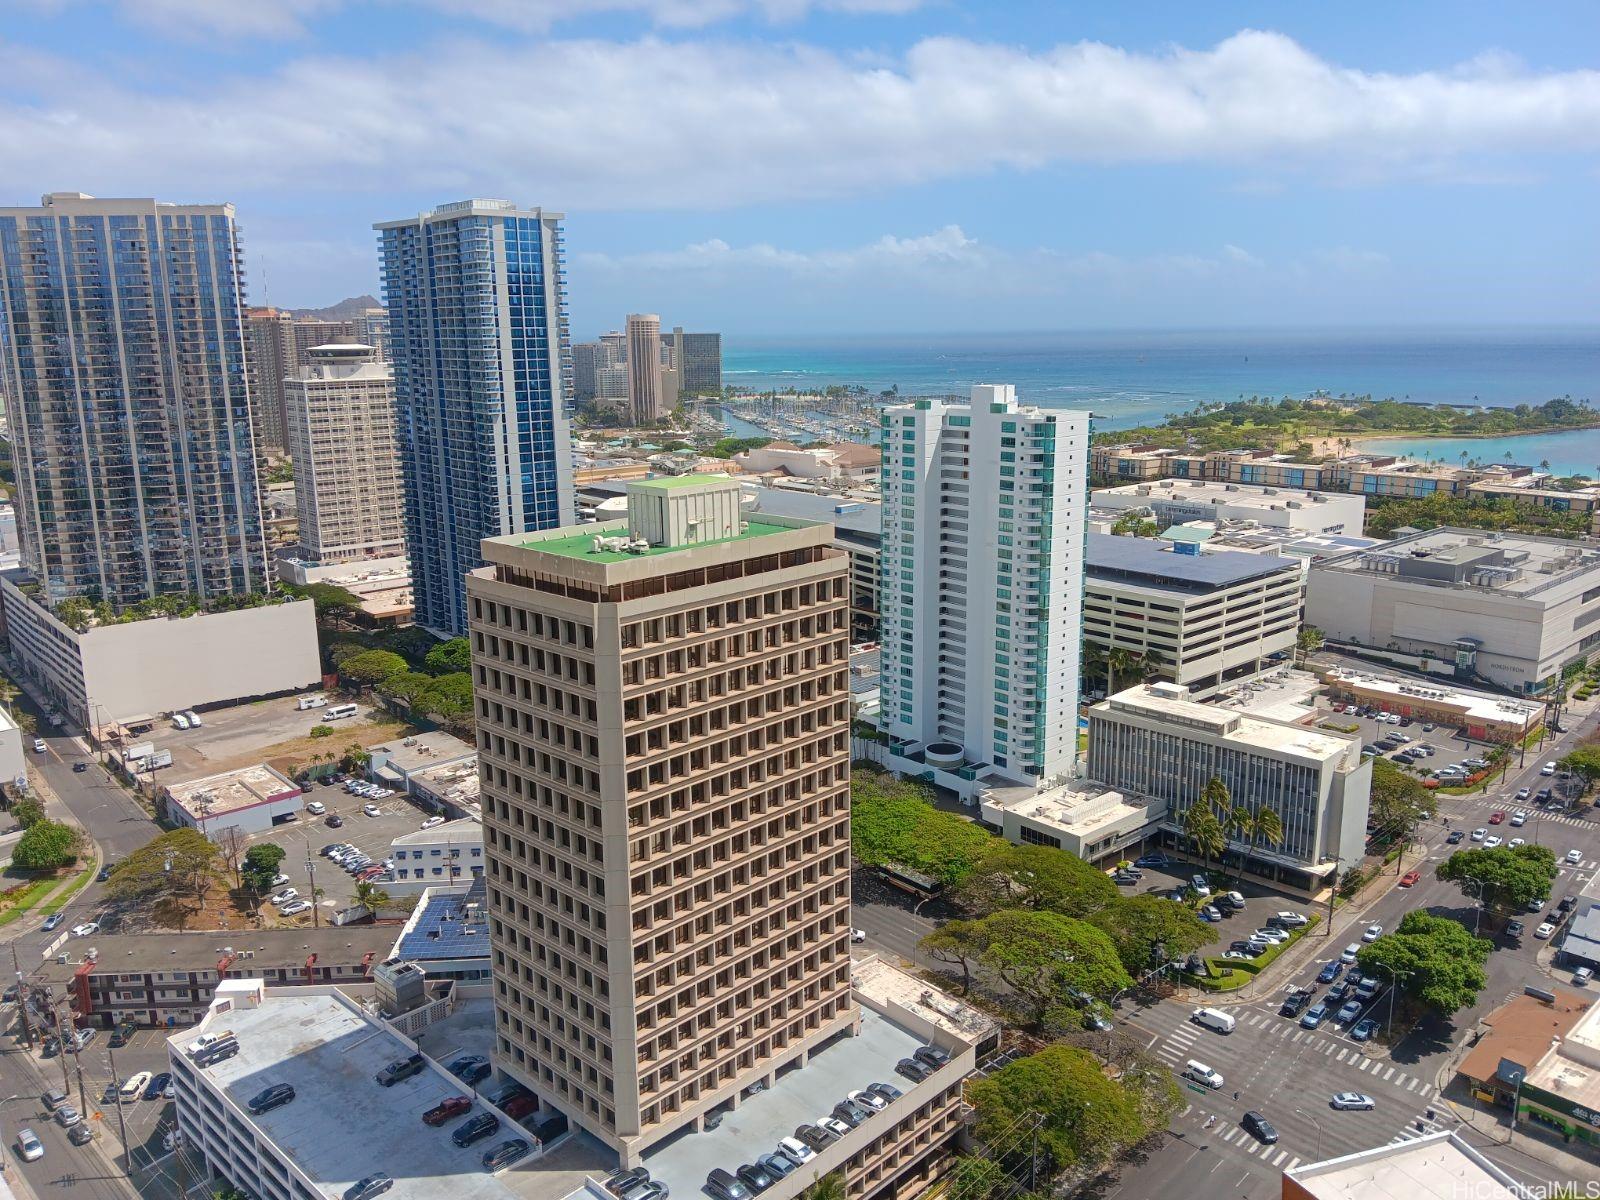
x=1128, y=379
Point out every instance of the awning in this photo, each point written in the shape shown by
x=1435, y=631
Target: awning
x=389, y=775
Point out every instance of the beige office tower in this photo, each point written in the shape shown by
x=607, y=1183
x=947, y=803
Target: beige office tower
x=342, y=437
x=644, y=368
x=663, y=714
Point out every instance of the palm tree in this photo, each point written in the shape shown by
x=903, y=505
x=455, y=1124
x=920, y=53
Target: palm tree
x=1118, y=661
x=371, y=896
x=1241, y=826
x=1268, y=827
x=1204, y=830
x=1152, y=660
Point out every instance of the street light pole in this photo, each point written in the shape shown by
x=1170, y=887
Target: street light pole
x=1318, y=1124
x=1394, y=986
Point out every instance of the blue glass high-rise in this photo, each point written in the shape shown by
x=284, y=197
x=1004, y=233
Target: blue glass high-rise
x=122, y=351
x=483, y=383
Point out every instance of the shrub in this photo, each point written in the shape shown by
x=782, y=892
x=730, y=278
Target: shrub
x=321, y=731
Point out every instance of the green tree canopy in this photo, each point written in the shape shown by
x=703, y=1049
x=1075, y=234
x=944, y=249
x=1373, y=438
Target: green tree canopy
x=1045, y=958
x=1398, y=801
x=448, y=696
x=179, y=866
x=959, y=944
x=1089, y=1118
x=406, y=686
x=328, y=599
x=47, y=846
x=1202, y=827
x=27, y=812
x=449, y=657
x=260, y=866
x=370, y=666
x=1041, y=878
x=892, y=823
x=1508, y=878
x=1143, y=928
x=1432, y=959
x=1583, y=762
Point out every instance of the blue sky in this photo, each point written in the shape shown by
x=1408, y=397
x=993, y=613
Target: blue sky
x=769, y=166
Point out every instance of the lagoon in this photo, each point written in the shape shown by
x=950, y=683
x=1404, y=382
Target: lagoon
x=1572, y=452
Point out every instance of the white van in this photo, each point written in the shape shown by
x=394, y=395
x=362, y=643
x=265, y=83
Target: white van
x=1200, y=1073
x=306, y=702
x=179, y=721
x=194, y=718
x=340, y=710
x=1213, y=1019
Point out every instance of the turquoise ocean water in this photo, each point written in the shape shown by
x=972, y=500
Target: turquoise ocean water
x=1130, y=378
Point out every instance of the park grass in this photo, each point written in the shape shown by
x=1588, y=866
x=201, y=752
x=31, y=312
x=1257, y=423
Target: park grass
x=25, y=897
x=59, y=901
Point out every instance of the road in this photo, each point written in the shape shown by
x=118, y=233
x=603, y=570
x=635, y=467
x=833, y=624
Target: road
x=1290, y=1074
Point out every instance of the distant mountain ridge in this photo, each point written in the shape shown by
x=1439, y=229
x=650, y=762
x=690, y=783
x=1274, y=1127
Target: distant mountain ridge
x=345, y=310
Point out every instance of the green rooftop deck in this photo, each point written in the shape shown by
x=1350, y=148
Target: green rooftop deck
x=667, y=483
x=579, y=545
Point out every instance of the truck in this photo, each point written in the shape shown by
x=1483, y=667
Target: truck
x=306, y=702
x=137, y=751
x=161, y=758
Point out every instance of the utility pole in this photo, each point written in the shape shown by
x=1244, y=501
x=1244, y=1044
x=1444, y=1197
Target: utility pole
x=1333, y=890
x=22, y=999
x=122, y=1121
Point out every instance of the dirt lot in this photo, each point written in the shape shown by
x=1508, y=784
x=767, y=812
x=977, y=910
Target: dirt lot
x=270, y=731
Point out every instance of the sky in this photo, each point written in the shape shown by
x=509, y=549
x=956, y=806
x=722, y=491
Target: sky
x=826, y=166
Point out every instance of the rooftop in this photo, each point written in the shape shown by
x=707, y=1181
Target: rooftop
x=464, y=830
x=1480, y=705
x=886, y=985
x=1509, y=563
x=1162, y=702
x=447, y=923
x=1206, y=491
x=1521, y=1029
x=424, y=750
x=581, y=544
x=1149, y=563
x=796, y=1098
x=254, y=950
x=861, y=517
x=672, y=483
x=1079, y=810
x=1436, y=1166
x=343, y=1126
x=231, y=791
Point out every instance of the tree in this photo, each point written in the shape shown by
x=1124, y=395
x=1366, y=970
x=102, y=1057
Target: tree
x=1089, y=1118
x=892, y=823
x=47, y=846
x=957, y=943
x=1134, y=524
x=405, y=686
x=1118, y=661
x=1431, y=959
x=27, y=812
x=449, y=657
x=1044, y=958
x=371, y=896
x=1149, y=930
x=975, y=1178
x=1308, y=641
x=448, y=697
x=356, y=758
x=370, y=666
x=261, y=866
x=1583, y=762
x=1205, y=831
x=1506, y=878
x=829, y=1187
x=1040, y=878
x=177, y=868
x=233, y=842
x=1240, y=825
x=1398, y=801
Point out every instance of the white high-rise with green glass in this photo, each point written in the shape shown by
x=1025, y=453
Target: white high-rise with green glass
x=982, y=577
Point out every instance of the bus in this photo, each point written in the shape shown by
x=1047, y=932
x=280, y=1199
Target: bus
x=338, y=711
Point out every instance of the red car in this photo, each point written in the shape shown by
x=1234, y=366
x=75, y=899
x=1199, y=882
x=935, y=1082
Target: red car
x=520, y=1106
x=450, y=1106
x=1409, y=878
x=1496, y=817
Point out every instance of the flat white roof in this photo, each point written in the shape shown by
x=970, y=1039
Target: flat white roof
x=342, y=1125
x=231, y=791
x=1078, y=811
x=1474, y=704
x=1154, y=703
x=1434, y=1167
x=463, y=831
x=1211, y=491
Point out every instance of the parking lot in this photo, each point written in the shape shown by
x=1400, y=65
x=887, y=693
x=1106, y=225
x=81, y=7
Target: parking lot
x=1259, y=904
x=249, y=733
x=305, y=838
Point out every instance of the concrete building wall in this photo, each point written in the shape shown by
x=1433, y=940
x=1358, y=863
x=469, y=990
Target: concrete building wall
x=13, y=757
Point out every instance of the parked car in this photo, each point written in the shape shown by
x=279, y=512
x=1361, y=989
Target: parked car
x=498, y=1158
x=67, y=1116
x=133, y=1086
x=433, y=822
x=450, y=1106
x=270, y=1098
x=867, y=1098
x=316, y=808
x=471, y=1068
x=1544, y=931
x=795, y=1150
x=815, y=1137
x=887, y=1090
x=1514, y=928
x=158, y=1086
x=294, y=908
x=1363, y=1030
x=833, y=1125
x=1210, y=912
x=29, y=1147
x=779, y=1165
x=756, y=1177
x=401, y=1068
x=620, y=1181
x=475, y=1129
x=369, y=1187
x=851, y=1113
x=279, y=899
x=724, y=1186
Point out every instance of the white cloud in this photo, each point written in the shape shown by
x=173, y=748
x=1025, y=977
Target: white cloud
x=289, y=18
x=652, y=124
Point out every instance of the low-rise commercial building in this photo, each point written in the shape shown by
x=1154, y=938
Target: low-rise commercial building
x=1434, y=1166
x=1540, y=1058
x=1480, y=716
x=1200, y=621
x=840, y=462
x=1512, y=610
x=250, y=800
x=134, y=670
x=447, y=934
x=169, y=979
x=13, y=759
x=382, y=585
x=395, y=763
x=342, y=1126
x=1174, y=501
x=450, y=789
x=1093, y=823
x=1153, y=741
x=446, y=854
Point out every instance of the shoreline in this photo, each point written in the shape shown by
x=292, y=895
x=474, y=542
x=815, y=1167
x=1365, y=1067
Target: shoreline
x=1328, y=446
